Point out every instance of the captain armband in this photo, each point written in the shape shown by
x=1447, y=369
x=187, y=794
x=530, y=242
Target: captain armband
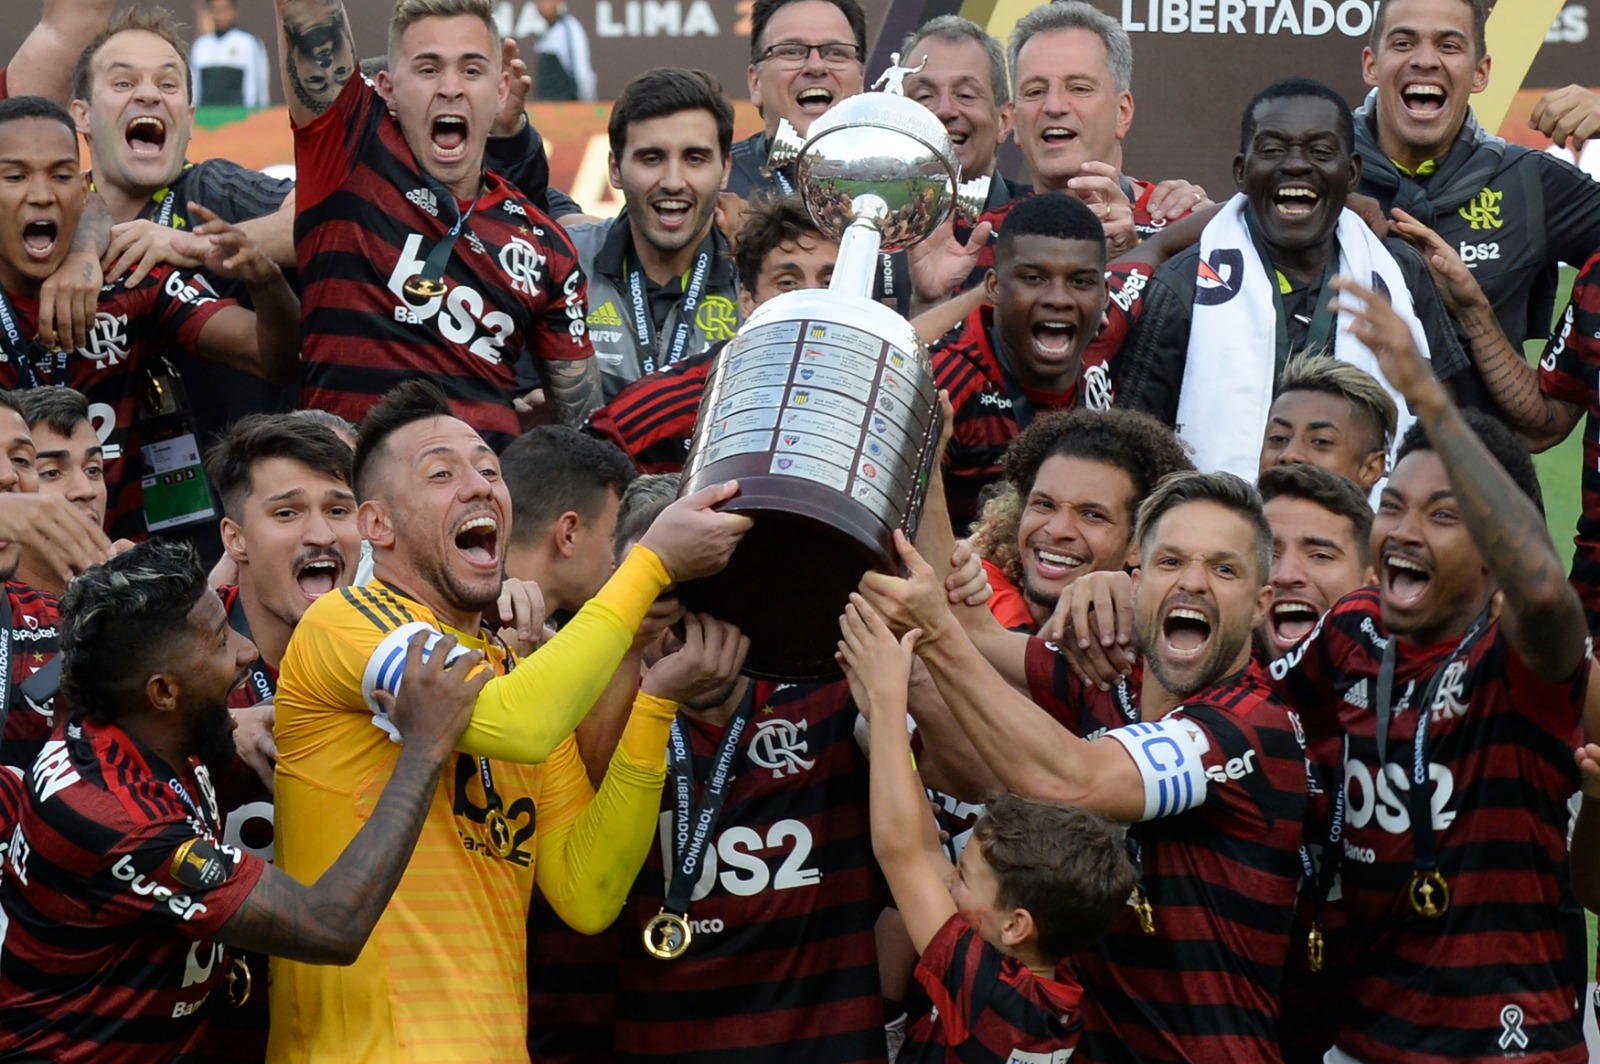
x=1169, y=755
x=387, y=665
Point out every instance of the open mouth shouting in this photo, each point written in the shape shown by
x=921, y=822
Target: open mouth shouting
x=146, y=135
x=1290, y=621
x=812, y=100
x=39, y=238
x=1186, y=632
x=1295, y=202
x=318, y=574
x=1423, y=101
x=477, y=540
x=448, y=134
x=1053, y=338
x=1405, y=580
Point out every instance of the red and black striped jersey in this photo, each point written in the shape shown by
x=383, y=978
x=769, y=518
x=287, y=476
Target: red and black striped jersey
x=783, y=966
x=131, y=326
x=1570, y=371
x=115, y=882
x=652, y=419
x=986, y=419
x=366, y=219
x=988, y=1008
x=1497, y=972
x=35, y=617
x=1220, y=877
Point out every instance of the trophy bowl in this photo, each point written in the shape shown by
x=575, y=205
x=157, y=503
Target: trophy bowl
x=824, y=406
x=877, y=148
x=825, y=411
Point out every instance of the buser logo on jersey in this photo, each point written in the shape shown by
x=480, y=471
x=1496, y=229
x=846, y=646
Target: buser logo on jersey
x=461, y=313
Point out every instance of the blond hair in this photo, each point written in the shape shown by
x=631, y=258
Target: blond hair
x=1330, y=376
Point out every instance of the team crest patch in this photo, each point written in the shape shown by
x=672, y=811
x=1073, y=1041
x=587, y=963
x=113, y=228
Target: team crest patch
x=198, y=865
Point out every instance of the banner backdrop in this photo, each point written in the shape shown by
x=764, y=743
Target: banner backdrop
x=1196, y=62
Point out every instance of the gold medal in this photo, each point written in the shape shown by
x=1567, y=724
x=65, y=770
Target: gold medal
x=499, y=830
x=1429, y=893
x=236, y=984
x=667, y=936
x=1314, y=949
x=420, y=287
x=1147, y=916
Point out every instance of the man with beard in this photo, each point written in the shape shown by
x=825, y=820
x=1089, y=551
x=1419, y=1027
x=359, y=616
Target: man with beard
x=415, y=259
x=43, y=203
x=1468, y=665
x=1216, y=324
x=781, y=906
x=1333, y=415
x=125, y=906
x=1200, y=760
x=1074, y=482
x=290, y=530
x=1513, y=213
x=661, y=281
x=516, y=806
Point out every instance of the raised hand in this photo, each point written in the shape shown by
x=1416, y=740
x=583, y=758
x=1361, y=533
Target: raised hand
x=1375, y=323
x=1098, y=185
x=1093, y=627
x=877, y=664
x=916, y=600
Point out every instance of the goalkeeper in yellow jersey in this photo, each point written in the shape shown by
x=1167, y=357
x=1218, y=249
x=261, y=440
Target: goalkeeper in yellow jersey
x=444, y=975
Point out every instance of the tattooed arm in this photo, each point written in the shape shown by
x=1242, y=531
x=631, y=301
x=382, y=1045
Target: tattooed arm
x=1542, y=617
x=316, y=54
x=1511, y=382
x=575, y=389
x=329, y=922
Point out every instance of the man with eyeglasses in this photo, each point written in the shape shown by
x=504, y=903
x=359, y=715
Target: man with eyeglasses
x=805, y=56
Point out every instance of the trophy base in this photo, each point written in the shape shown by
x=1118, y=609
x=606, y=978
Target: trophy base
x=791, y=577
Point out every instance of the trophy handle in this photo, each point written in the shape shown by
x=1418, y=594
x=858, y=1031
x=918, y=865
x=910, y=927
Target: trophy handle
x=971, y=197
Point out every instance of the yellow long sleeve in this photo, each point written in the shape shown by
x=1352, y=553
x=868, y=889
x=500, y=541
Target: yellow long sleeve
x=524, y=715
x=587, y=863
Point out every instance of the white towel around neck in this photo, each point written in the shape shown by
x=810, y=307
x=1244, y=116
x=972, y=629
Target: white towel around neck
x=1228, y=380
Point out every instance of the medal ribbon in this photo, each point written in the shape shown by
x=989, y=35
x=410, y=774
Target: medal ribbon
x=1419, y=801
x=433, y=266
x=23, y=352
x=261, y=681
x=644, y=327
x=1322, y=319
x=693, y=823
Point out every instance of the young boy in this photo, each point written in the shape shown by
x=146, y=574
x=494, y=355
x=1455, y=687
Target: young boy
x=1040, y=881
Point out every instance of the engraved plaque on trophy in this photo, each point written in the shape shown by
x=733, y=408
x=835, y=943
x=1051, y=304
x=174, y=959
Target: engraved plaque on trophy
x=824, y=406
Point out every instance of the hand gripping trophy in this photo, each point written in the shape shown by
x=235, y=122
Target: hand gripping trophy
x=824, y=405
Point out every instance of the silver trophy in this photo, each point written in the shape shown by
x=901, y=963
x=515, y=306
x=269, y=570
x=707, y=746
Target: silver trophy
x=824, y=406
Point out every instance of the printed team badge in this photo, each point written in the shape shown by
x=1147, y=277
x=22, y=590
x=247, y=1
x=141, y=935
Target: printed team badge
x=523, y=265
x=717, y=318
x=108, y=340
x=780, y=746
